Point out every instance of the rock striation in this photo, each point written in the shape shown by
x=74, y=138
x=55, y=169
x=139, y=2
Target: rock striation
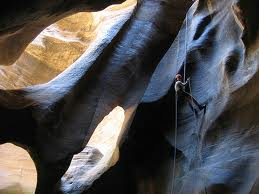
x=107, y=122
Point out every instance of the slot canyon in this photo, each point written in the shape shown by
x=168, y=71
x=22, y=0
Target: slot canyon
x=88, y=100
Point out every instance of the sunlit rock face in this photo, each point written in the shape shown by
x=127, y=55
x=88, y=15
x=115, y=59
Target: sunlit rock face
x=50, y=53
x=85, y=169
x=17, y=171
x=99, y=92
x=22, y=21
x=61, y=44
x=217, y=150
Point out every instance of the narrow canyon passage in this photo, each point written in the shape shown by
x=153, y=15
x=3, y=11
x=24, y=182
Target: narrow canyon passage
x=87, y=97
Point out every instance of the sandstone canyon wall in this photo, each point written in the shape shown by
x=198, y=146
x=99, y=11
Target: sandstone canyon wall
x=99, y=115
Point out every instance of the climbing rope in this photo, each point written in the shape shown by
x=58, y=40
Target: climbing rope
x=176, y=112
x=185, y=47
x=175, y=139
x=176, y=99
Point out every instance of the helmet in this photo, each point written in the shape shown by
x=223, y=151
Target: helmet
x=178, y=77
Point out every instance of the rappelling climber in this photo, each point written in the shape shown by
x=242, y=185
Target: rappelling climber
x=180, y=90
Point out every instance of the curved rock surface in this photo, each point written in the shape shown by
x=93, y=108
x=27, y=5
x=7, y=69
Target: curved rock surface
x=219, y=148
x=58, y=118
x=17, y=171
x=22, y=21
x=216, y=151
x=61, y=44
x=85, y=29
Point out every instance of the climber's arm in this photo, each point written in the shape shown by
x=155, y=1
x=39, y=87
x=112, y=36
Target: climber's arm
x=187, y=81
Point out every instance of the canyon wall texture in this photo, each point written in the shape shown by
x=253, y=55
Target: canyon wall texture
x=104, y=118
x=216, y=151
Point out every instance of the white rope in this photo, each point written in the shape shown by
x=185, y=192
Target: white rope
x=176, y=98
x=185, y=47
x=175, y=144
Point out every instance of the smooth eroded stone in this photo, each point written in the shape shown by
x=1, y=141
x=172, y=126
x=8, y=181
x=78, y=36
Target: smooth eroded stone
x=17, y=170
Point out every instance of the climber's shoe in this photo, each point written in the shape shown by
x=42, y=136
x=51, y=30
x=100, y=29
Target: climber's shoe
x=204, y=108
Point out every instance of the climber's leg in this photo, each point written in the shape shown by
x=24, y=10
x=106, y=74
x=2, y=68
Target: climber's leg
x=191, y=99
